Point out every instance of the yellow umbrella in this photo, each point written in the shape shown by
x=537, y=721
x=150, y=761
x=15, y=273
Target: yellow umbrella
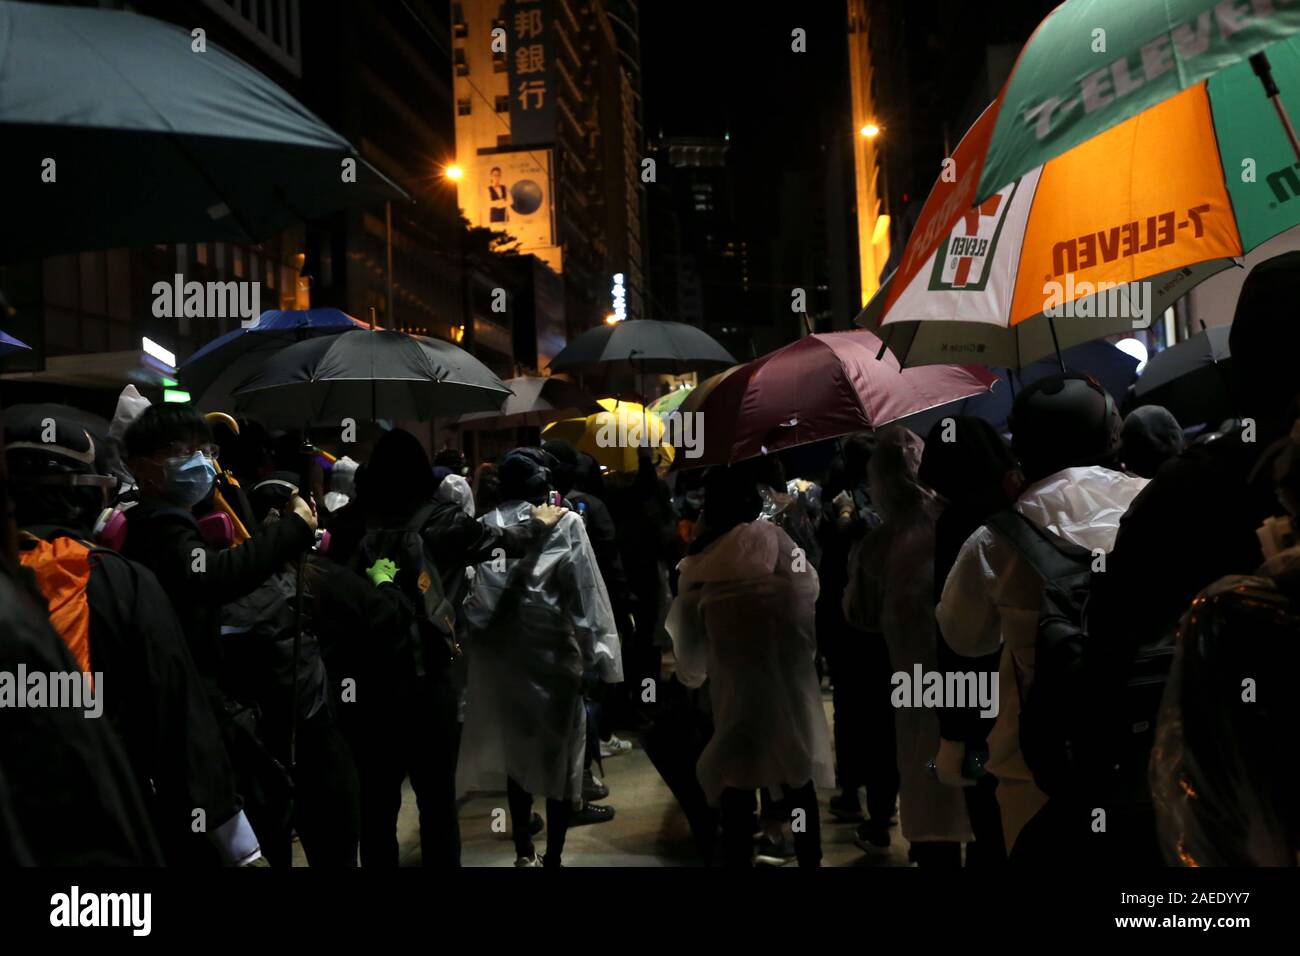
x=613, y=435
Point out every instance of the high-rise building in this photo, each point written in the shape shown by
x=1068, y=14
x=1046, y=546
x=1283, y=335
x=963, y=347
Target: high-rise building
x=870, y=179
x=548, y=140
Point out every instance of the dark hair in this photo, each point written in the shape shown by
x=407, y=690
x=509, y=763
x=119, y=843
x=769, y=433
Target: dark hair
x=731, y=498
x=970, y=467
x=525, y=475
x=495, y=169
x=161, y=426
x=565, y=470
x=398, y=476
x=1264, y=337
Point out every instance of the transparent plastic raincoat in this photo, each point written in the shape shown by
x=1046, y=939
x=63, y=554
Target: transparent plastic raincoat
x=743, y=618
x=891, y=592
x=532, y=626
x=991, y=599
x=1223, y=771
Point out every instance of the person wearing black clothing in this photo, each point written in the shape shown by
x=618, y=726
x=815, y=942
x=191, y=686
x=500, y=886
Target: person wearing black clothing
x=67, y=793
x=1196, y=521
x=157, y=704
x=169, y=452
x=975, y=474
x=258, y=632
x=404, y=722
x=865, y=743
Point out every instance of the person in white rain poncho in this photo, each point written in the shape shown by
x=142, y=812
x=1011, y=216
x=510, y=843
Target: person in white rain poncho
x=743, y=619
x=1065, y=431
x=533, y=625
x=891, y=594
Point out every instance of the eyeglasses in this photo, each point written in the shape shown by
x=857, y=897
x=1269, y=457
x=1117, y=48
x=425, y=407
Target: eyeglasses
x=180, y=451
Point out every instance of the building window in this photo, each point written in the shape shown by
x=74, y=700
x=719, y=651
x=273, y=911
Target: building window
x=272, y=25
x=499, y=63
x=464, y=107
x=462, y=68
x=503, y=104
x=458, y=26
x=503, y=139
x=201, y=253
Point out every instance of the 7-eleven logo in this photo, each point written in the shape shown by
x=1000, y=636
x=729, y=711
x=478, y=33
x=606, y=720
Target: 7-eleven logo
x=962, y=261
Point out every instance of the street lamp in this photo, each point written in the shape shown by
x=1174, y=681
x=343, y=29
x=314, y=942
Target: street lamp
x=454, y=173
x=869, y=131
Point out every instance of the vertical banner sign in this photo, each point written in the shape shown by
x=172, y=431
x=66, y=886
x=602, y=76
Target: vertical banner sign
x=531, y=68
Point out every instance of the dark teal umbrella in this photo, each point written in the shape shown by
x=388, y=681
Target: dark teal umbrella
x=116, y=133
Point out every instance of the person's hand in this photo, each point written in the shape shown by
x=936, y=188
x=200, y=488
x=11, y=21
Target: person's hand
x=258, y=863
x=948, y=762
x=382, y=571
x=303, y=511
x=549, y=515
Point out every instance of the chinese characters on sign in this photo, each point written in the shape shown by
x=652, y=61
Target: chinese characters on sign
x=529, y=56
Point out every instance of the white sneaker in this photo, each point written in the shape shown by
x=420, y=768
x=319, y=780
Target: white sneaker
x=614, y=747
x=533, y=860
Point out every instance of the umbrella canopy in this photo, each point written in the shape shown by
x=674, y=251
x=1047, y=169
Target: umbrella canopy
x=820, y=387
x=152, y=141
x=364, y=375
x=1114, y=368
x=643, y=345
x=9, y=344
x=534, y=401
x=665, y=405
x=1190, y=378
x=225, y=363
x=1065, y=91
x=614, y=435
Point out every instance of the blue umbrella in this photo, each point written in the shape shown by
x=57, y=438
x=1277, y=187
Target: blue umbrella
x=221, y=366
x=9, y=344
x=1116, y=370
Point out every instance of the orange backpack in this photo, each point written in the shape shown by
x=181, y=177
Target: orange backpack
x=62, y=569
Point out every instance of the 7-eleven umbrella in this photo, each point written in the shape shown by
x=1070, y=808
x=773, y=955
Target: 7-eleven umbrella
x=1093, y=65
x=822, y=386
x=1165, y=200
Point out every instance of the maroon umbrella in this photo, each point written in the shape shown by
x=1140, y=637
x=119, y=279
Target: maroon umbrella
x=820, y=387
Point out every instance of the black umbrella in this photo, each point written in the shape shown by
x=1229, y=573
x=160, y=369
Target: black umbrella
x=365, y=375
x=1190, y=378
x=643, y=345
x=151, y=141
x=535, y=402
x=225, y=363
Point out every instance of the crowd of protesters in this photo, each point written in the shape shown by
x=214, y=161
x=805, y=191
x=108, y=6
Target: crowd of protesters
x=280, y=646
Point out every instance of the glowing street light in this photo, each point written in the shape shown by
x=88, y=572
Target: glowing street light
x=454, y=173
x=870, y=131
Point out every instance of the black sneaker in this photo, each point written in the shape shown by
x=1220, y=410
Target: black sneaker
x=589, y=814
x=592, y=787
x=845, y=808
x=872, y=835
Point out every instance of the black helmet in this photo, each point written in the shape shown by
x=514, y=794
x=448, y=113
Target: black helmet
x=1062, y=421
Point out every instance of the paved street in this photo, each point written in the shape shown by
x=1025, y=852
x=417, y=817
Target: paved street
x=648, y=830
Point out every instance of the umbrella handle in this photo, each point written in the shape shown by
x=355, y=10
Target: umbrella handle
x=1264, y=70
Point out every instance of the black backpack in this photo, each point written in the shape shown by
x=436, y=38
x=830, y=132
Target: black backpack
x=1081, y=727
x=428, y=617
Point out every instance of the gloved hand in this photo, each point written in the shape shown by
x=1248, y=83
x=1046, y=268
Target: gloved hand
x=382, y=571
x=948, y=762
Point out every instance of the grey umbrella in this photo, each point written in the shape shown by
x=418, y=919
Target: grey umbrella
x=117, y=132
x=364, y=376
x=535, y=402
x=643, y=345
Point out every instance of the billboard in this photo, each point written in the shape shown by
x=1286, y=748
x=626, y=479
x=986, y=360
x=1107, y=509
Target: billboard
x=530, y=66
x=514, y=196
